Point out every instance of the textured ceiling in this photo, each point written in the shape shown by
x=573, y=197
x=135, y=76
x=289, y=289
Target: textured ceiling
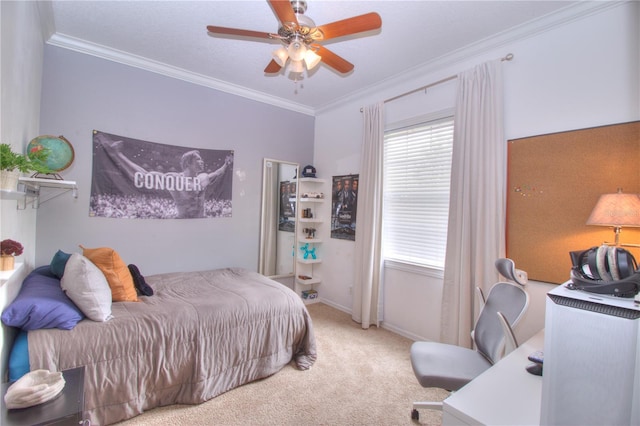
x=171, y=37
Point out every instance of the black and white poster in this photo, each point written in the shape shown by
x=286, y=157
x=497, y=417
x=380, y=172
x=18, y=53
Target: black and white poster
x=287, y=220
x=147, y=180
x=344, y=204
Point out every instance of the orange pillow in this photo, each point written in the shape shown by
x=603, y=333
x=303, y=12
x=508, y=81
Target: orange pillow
x=115, y=271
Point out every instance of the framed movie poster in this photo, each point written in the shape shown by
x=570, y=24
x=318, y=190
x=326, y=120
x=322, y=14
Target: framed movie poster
x=287, y=219
x=344, y=205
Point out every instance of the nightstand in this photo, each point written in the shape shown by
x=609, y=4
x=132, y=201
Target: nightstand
x=64, y=409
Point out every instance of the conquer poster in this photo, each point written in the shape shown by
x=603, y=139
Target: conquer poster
x=146, y=180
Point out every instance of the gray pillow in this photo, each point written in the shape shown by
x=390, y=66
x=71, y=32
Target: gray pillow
x=87, y=286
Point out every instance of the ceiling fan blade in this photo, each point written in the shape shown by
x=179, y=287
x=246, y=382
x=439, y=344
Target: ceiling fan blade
x=334, y=61
x=357, y=24
x=237, y=32
x=284, y=12
x=272, y=68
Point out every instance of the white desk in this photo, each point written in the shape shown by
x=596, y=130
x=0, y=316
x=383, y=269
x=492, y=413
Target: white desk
x=506, y=394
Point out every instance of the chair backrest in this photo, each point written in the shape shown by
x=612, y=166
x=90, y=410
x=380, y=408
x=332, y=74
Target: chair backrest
x=509, y=299
x=507, y=268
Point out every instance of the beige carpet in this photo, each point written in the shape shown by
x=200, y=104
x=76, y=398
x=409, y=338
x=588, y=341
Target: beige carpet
x=361, y=377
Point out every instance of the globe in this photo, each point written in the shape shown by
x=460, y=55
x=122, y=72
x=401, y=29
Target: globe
x=61, y=152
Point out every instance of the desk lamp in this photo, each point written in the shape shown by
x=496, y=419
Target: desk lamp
x=617, y=210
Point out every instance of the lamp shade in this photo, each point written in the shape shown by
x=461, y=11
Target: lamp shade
x=297, y=50
x=311, y=59
x=296, y=66
x=617, y=210
x=280, y=56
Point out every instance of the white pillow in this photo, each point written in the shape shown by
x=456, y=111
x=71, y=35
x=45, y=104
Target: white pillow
x=87, y=286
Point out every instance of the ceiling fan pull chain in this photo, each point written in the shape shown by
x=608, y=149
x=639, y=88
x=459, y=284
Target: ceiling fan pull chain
x=298, y=79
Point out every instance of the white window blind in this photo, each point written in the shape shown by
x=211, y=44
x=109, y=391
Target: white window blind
x=417, y=173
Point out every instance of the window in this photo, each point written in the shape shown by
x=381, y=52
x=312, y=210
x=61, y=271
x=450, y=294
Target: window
x=417, y=174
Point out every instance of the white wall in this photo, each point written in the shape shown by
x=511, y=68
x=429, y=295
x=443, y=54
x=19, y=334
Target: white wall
x=21, y=82
x=22, y=47
x=82, y=93
x=582, y=73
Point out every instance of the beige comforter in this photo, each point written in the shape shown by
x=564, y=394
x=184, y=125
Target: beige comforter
x=199, y=335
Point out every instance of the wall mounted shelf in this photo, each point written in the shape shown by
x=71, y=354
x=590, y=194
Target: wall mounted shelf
x=12, y=195
x=312, y=180
x=308, y=281
x=309, y=261
x=30, y=191
x=310, y=220
x=308, y=268
x=310, y=240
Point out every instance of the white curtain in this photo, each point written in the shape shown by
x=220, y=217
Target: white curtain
x=367, y=289
x=476, y=232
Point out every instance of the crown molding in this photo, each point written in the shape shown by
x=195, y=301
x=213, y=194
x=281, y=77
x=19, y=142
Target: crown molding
x=100, y=51
x=546, y=23
x=543, y=24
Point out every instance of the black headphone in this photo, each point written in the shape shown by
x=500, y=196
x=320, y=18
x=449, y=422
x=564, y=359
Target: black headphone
x=605, y=270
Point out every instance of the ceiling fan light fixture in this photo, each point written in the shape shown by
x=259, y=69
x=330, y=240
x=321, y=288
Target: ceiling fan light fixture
x=311, y=59
x=280, y=56
x=297, y=50
x=296, y=66
x=298, y=34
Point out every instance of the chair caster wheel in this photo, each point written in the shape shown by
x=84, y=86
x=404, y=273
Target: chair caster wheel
x=415, y=415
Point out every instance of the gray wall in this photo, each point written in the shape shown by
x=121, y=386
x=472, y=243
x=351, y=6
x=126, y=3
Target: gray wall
x=81, y=93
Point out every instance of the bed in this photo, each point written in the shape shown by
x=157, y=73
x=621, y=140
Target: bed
x=199, y=335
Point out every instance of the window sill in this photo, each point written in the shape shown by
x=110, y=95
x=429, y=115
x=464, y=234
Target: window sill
x=6, y=275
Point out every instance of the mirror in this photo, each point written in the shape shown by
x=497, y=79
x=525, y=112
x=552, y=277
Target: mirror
x=278, y=219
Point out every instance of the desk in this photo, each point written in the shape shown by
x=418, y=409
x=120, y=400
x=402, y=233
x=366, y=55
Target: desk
x=505, y=394
x=64, y=409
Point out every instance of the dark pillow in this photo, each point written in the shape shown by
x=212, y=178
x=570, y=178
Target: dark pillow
x=58, y=263
x=139, y=281
x=41, y=303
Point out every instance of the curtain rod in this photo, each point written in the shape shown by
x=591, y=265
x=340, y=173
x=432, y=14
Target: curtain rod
x=508, y=57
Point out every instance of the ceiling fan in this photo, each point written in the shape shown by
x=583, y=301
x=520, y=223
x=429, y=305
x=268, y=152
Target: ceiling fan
x=300, y=37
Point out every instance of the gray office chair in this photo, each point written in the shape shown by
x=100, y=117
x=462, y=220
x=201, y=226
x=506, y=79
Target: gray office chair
x=450, y=367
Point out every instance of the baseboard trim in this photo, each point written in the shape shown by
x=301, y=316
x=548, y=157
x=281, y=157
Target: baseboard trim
x=402, y=332
x=336, y=306
x=389, y=327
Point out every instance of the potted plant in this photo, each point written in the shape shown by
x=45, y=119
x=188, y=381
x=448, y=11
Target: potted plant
x=8, y=250
x=13, y=163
